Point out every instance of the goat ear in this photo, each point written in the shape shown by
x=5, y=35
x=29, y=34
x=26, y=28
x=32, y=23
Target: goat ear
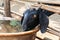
x=43, y=21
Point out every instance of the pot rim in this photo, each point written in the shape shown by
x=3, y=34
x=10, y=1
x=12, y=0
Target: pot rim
x=21, y=33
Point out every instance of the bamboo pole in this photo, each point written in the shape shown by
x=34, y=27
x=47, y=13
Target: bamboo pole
x=7, y=8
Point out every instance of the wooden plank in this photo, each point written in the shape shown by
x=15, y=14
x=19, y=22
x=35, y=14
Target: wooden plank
x=50, y=1
x=46, y=7
x=47, y=35
x=7, y=8
x=45, y=1
x=49, y=8
x=17, y=1
x=53, y=32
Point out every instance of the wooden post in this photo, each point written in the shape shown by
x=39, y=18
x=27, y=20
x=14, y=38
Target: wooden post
x=7, y=8
x=7, y=13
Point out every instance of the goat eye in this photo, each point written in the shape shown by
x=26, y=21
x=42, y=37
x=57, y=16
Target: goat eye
x=34, y=16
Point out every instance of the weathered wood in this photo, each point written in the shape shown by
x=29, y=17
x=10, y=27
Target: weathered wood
x=17, y=1
x=44, y=6
x=39, y=38
x=50, y=1
x=53, y=32
x=7, y=8
x=45, y=1
x=49, y=8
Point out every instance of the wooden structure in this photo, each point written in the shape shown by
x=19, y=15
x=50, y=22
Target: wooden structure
x=55, y=9
x=43, y=6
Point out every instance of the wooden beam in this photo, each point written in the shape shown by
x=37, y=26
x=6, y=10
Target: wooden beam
x=17, y=1
x=50, y=1
x=48, y=7
x=7, y=8
x=46, y=1
x=44, y=6
x=53, y=32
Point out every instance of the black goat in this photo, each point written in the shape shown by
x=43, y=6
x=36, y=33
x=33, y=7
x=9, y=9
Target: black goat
x=32, y=17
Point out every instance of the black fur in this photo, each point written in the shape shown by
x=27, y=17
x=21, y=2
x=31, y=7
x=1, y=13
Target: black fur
x=48, y=13
x=43, y=20
x=29, y=22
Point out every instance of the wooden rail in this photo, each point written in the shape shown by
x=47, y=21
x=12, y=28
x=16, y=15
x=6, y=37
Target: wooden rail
x=46, y=7
x=43, y=6
x=19, y=1
x=53, y=32
x=49, y=8
x=46, y=1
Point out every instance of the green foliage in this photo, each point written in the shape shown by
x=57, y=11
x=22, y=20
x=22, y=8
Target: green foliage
x=13, y=23
x=17, y=25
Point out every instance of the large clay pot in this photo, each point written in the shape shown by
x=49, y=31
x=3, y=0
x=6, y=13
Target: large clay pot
x=28, y=35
